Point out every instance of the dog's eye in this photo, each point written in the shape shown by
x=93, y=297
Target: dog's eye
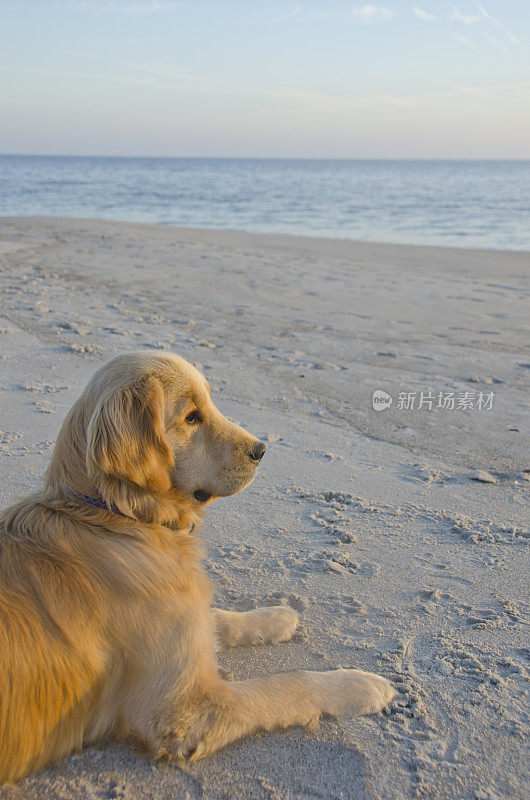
x=194, y=418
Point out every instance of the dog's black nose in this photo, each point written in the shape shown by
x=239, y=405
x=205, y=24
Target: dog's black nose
x=257, y=453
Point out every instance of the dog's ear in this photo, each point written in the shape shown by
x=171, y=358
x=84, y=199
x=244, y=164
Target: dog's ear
x=126, y=437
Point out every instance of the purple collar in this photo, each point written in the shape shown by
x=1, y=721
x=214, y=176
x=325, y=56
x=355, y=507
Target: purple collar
x=96, y=501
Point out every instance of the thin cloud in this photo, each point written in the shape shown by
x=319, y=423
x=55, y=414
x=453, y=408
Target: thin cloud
x=343, y=102
x=467, y=19
x=467, y=42
x=499, y=25
x=492, y=40
x=371, y=13
x=421, y=14
x=460, y=89
x=334, y=103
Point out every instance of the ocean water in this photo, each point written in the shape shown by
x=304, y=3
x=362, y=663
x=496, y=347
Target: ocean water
x=482, y=204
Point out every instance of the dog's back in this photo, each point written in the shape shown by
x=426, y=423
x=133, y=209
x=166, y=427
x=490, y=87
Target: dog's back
x=47, y=688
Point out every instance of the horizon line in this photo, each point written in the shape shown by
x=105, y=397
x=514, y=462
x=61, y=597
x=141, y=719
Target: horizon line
x=261, y=158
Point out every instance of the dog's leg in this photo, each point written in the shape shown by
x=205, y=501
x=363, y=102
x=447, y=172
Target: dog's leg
x=268, y=625
x=230, y=711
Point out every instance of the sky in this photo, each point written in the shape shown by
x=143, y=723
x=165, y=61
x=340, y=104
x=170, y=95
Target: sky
x=270, y=79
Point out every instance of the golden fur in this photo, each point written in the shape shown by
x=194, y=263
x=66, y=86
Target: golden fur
x=106, y=628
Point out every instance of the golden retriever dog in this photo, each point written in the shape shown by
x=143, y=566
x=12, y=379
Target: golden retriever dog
x=106, y=624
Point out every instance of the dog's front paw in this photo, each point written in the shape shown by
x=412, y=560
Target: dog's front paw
x=269, y=625
x=351, y=692
x=275, y=623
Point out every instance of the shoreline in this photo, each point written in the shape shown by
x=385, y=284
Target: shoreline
x=300, y=239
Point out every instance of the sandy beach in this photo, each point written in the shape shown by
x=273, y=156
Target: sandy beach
x=400, y=535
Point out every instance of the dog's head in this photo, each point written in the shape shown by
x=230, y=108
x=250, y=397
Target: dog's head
x=154, y=435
